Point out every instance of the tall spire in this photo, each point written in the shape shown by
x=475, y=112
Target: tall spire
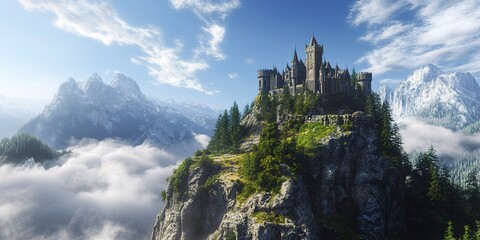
x=313, y=41
x=295, y=58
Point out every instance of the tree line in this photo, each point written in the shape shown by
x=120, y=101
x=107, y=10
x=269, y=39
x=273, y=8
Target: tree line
x=20, y=147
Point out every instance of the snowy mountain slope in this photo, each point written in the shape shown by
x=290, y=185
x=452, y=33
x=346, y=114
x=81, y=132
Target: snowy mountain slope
x=203, y=115
x=451, y=100
x=93, y=109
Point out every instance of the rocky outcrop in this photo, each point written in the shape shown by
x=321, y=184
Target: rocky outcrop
x=346, y=190
x=352, y=185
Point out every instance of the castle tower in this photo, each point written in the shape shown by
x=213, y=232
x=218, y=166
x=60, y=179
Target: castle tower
x=364, y=79
x=314, y=56
x=294, y=72
x=264, y=80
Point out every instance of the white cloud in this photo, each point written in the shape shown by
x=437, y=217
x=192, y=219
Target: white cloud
x=212, y=13
x=419, y=136
x=203, y=7
x=374, y=11
x=210, y=41
x=445, y=33
x=250, y=61
x=99, y=20
x=203, y=139
x=103, y=190
x=232, y=75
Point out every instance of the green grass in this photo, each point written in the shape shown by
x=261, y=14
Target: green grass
x=310, y=134
x=209, y=182
x=179, y=177
x=262, y=217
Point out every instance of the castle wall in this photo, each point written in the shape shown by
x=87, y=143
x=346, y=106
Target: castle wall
x=314, y=76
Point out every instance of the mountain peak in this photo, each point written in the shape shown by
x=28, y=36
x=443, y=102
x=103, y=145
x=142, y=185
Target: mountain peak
x=127, y=86
x=447, y=99
x=68, y=87
x=426, y=73
x=93, y=85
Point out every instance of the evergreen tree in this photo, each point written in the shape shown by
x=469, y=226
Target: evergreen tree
x=225, y=139
x=449, y=235
x=221, y=140
x=246, y=110
x=434, y=190
x=214, y=144
x=477, y=230
x=235, y=127
x=268, y=108
x=466, y=233
x=354, y=77
x=473, y=194
x=20, y=147
x=286, y=101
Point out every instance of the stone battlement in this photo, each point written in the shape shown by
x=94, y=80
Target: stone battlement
x=340, y=119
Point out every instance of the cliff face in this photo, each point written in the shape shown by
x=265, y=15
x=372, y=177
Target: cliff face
x=345, y=189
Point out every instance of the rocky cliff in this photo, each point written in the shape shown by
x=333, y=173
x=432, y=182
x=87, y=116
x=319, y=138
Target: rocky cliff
x=345, y=189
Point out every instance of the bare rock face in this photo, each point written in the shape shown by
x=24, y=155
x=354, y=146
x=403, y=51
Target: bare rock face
x=346, y=189
x=352, y=185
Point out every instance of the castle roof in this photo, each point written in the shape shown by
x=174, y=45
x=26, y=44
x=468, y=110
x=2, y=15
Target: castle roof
x=313, y=41
x=295, y=58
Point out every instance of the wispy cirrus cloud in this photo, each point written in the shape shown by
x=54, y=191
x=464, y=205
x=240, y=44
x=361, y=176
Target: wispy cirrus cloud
x=232, y=75
x=213, y=14
x=406, y=34
x=99, y=20
x=250, y=61
x=207, y=7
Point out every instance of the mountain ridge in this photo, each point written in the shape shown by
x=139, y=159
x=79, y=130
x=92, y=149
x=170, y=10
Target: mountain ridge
x=94, y=109
x=451, y=100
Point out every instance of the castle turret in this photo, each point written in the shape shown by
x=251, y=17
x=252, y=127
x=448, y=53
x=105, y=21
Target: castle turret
x=314, y=56
x=264, y=80
x=364, y=79
x=295, y=58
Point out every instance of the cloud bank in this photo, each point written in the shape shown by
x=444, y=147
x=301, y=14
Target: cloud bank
x=103, y=190
x=406, y=34
x=419, y=136
x=98, y=20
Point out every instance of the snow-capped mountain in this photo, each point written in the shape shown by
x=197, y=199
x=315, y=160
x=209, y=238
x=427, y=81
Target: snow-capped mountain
x=451, y=100
x=93, y=109
x=203, y=115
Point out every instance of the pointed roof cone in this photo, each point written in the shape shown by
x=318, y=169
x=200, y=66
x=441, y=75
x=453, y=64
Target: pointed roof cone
x=295, y=58
x=313, y=41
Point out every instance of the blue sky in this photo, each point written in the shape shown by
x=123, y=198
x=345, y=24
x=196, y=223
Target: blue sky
x=208, y=51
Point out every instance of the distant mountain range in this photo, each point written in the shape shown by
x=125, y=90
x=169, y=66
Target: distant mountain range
x=451, y=100
x=93, y=109
x=14, y=112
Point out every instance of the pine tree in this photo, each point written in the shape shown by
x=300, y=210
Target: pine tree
x=221, y=140
x=466, y=233
x=449, y=232
x=235, y=127
x=224, y=129
x=246, y=110
x=473, y=193
x=477, y=230
x=286, y=101
x=214, y=144
x=354, y=77
x=434, y=189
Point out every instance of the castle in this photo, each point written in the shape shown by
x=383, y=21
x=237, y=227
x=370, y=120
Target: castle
x=316, y=75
